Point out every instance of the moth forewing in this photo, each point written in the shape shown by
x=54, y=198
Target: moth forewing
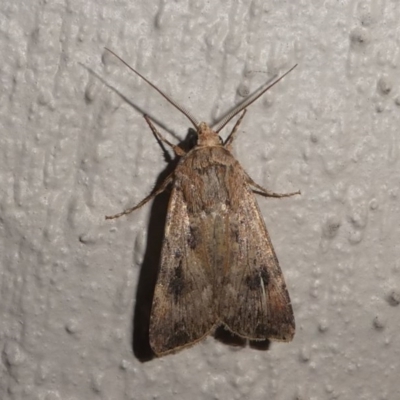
x=218, y=266
x=250, y=294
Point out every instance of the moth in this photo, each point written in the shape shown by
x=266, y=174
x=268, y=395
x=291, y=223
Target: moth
x=218, y=265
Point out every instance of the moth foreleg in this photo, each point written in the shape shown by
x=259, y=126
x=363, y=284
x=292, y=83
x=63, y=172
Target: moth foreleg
x=177, y=150
x=153, y=194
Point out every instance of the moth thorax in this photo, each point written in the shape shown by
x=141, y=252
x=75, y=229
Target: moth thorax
x=206, y=136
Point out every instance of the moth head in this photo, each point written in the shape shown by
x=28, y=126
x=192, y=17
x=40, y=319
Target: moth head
x=207, y=137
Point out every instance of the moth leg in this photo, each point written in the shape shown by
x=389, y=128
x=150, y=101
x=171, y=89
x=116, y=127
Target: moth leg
x=267, y=193
x=232, y=135
x=177, y=150
x=155, y=192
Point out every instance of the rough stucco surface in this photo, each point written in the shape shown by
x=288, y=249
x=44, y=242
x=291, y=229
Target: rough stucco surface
x=75, y=289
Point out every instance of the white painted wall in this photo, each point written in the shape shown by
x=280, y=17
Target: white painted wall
x=72, y=150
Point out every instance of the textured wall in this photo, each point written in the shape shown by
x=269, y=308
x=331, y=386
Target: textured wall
x=75, y=288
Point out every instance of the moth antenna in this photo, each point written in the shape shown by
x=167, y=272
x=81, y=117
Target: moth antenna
x=248, y=101
x=169, y=99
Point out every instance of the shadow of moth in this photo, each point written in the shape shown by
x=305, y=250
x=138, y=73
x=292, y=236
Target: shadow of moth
x=218, y=266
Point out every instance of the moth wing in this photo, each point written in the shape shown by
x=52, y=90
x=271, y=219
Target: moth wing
x=183, y=311
x=254, y=303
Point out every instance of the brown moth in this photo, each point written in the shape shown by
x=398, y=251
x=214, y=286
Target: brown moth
x=218, y=266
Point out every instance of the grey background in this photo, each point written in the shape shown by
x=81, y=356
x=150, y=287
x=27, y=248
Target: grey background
x=72, y=150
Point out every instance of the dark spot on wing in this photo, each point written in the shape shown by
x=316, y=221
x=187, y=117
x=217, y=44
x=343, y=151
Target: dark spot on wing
x=264, y=275
x=176, y=282
x=253, y=280
x=234, y=233
x=194, y=238
x=178, y=254
x=179, y=338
